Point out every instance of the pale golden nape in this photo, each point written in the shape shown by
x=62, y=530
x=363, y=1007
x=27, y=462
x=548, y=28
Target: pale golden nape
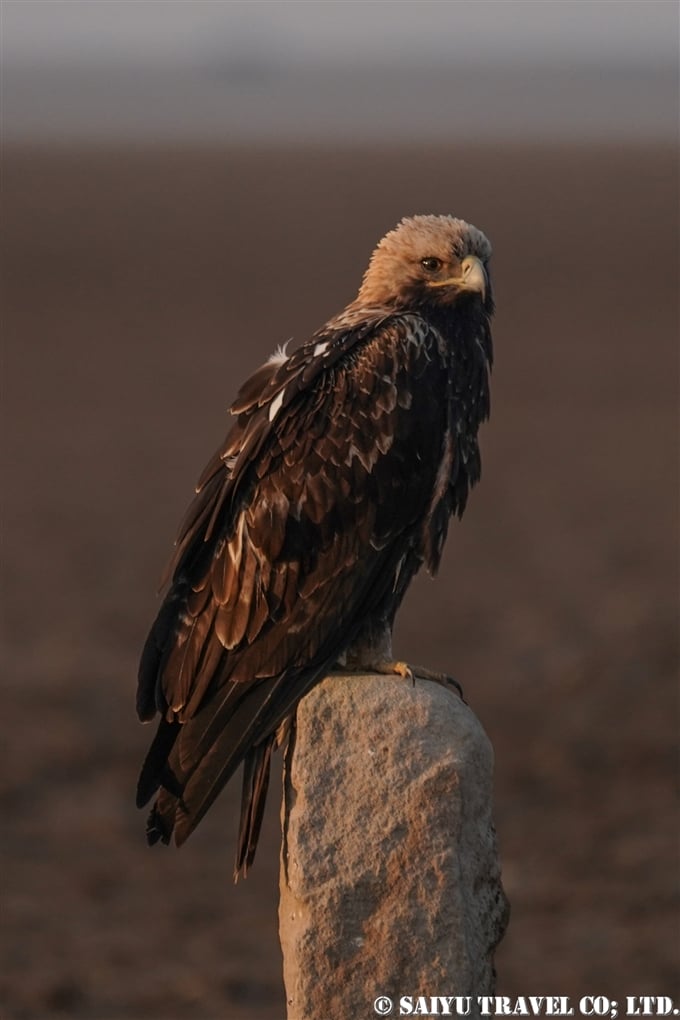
x=424, y=256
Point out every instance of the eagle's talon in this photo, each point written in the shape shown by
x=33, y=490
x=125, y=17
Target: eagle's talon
x=444, y=679
x=449, y=681
x=395, y=669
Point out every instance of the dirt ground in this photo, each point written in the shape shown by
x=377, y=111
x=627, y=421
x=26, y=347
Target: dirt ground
x=140, y=288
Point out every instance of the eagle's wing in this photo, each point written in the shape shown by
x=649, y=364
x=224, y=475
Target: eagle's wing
x=295, y=538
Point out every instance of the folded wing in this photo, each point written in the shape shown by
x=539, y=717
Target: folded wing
x=295, y=538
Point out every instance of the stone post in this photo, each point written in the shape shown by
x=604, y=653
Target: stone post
x=390, y=879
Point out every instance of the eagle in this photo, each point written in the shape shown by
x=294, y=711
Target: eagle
x=341, y=469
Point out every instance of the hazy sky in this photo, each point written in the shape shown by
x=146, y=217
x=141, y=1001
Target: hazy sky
x=341, y=71
x=53, y=32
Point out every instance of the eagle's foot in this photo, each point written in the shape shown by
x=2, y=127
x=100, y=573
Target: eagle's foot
x=394, y=668
x=403, y=669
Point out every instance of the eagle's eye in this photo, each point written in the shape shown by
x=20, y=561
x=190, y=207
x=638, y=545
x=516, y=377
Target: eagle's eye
x=431, y=264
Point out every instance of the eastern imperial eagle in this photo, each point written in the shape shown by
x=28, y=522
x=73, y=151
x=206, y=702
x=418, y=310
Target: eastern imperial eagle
x=334, y=485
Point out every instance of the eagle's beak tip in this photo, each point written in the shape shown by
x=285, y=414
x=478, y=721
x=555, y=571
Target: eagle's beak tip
x=474, y=275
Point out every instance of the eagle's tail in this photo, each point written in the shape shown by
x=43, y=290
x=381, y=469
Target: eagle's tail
x=257, y=764
x=256, y=769
x=191, y=762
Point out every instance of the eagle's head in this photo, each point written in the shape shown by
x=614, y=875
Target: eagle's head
x=428, y=260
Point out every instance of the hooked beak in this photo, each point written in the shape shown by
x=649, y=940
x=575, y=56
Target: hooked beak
x=472, y=277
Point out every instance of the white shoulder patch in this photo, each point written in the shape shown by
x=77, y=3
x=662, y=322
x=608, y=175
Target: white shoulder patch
x=275, y=406
x=321, y=349
x=279, y=355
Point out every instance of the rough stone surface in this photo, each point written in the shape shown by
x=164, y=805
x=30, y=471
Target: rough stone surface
x=390, y=879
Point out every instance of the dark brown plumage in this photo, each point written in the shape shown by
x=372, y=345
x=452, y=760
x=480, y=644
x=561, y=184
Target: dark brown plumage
x=336, y=482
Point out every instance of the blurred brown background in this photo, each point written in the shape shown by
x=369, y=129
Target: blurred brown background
x=142, y=283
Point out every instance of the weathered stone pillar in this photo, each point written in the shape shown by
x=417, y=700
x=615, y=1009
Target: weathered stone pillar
x=390, y=879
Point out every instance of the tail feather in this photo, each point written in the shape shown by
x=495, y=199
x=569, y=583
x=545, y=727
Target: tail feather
x=256, y=771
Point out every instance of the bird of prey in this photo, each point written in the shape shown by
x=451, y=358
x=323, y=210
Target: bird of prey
x=336, y=481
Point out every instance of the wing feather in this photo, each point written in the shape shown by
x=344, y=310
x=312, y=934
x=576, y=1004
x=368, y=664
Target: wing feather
x=209, y=668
